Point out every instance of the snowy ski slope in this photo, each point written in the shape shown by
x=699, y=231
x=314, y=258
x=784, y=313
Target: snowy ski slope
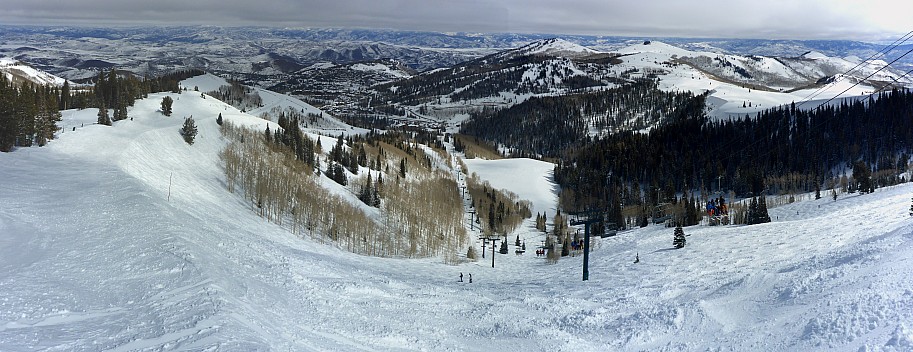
x=124, y=239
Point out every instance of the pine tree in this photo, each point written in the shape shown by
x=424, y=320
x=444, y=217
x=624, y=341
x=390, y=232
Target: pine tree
x=834, y=194
x=379, y=188
x=491, y=218
x=120, y=112
x=103, y=118
x=752, y=217
x=402, y=168
x=166, y=105
x=8, y=125
x=367, y=192
x=189, y=130
x=219, y=119
x=375, y=197
x=911, y=208
x=337, y=173
x=336, y=153
x=763, y=216
x=863, y=176
x=353, y=164
x=47, y=118
x=678, y=237
x=692, y=217
x=65, y=96
x=817, y=191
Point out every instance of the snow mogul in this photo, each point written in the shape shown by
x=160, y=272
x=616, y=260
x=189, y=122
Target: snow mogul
x=678, y=239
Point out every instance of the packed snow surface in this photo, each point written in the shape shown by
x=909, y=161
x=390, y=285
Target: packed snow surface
x=124, y=238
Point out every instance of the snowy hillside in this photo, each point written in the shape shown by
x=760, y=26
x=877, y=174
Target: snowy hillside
x=16, y=71
x=537, y=187
x=554, y=47
x=740, y=85
x=124, y=238
x=736, y=85
x=274, y=103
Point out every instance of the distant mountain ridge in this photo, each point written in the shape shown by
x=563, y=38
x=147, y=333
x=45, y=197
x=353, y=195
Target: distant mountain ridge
x=154, y=49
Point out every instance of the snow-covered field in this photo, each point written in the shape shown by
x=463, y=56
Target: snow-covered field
x=124, y=239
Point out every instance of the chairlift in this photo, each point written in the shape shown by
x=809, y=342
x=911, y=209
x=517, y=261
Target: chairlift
x=661, y=219
x=660, y=215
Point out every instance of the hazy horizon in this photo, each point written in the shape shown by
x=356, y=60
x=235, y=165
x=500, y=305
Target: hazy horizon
x=871, y=21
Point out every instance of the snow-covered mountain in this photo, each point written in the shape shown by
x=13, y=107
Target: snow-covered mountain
x=78, y=52
x=125, y=238
x=740, y=85
x=553, y=47
x=547, y=67
x=736, y=85
x=18, y=72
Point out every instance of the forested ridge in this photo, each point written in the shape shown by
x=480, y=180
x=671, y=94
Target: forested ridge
x=548, y=126
x=781, y=150
x=488, y=77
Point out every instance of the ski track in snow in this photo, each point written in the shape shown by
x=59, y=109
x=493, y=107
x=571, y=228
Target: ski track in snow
x=96, y=254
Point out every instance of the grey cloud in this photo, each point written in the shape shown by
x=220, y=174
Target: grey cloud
x=776, y=19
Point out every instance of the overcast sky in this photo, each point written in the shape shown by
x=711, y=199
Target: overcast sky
x=764, y=19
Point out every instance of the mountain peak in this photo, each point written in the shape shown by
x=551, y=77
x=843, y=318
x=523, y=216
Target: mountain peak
x=556, y=47
x=655, y=47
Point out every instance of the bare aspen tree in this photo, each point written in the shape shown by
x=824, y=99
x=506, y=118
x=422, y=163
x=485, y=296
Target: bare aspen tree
x=422, y=216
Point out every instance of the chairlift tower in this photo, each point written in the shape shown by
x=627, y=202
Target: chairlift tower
x=587, y=218
x=494, y=241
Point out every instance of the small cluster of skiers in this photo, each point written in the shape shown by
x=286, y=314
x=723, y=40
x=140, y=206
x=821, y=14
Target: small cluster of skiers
x=576, y=245
x=717, y=207
x=470, y=277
